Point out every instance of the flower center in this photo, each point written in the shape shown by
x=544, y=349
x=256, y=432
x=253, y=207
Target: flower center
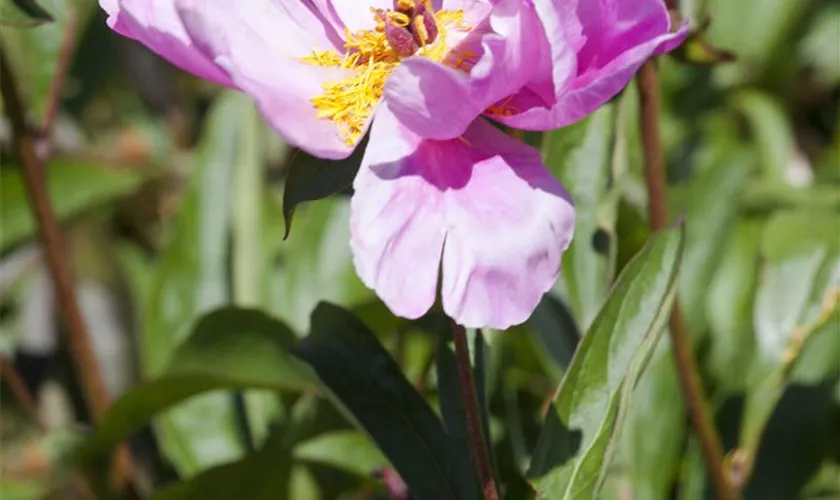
x=411, y=28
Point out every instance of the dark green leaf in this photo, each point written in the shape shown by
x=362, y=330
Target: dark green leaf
x=365, y=379
x=263, y=475
x=556, y=332
x=581, y=156
x=350, y=451
x=74, y=187
x=33, y=12
x=452, y=410
x=579, y=435
x=311, y=179
x=229, y=349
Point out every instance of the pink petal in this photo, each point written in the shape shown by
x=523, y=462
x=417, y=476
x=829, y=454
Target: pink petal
x=439, y=102
x=504, y=219
x=259, y=44
x=611, y=38
x=356, y=14
x=156, y=24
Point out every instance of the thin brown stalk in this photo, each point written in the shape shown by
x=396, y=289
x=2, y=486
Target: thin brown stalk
x=687, y=371
x=78, y=340
x=478, y=444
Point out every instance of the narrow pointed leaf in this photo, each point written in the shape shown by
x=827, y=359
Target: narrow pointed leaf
x=581, y=429
x=368, y=384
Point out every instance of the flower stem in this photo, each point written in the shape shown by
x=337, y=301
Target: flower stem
x=79, y=342
x=478, y=444
x=687, y=371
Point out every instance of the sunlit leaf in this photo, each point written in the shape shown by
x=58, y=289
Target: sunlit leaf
x=579, y=435
x=652, y=457
x=798, y=295
x=581, y=156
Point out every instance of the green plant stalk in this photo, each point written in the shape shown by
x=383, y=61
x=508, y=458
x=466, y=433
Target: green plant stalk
x=687, y=371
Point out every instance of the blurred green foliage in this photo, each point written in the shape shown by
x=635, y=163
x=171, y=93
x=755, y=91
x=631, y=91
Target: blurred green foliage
x=260, y=366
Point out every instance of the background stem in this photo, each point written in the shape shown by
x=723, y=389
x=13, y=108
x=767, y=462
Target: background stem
x=79, y=343
x=478, y=444
x=687, y=371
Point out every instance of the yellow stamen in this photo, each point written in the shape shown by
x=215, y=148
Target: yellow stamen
x=420, y=29
x=370, y=58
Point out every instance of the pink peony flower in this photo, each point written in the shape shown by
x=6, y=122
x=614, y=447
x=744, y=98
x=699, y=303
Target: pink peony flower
x=440, y=191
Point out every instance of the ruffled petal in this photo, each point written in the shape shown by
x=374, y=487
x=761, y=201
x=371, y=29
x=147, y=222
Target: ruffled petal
x=611, y=39
x=483, y=208
x=156, y=24
x=437, y=101
x=259, y=43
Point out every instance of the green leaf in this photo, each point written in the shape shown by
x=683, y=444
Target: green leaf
x=729, y=308
x=754, y=29
x=23, y=13
x=263, y=475
x=311, y=179
x=772, y=132
x=711, y=208
x=798, y=295
x=581, y=156
x=818, y=48
x=655, y=429
x=191, y=278
x=556, y=333
x=580, y=432
x=350, y=451
x=74, y=186
x=315, y=263
x=364, y=378
x=229, y=349
x=34, y=53
x=250, y=264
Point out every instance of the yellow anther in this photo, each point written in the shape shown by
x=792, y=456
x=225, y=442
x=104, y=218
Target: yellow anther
x=370, y=58
x=399, y=19
x=420, y=29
